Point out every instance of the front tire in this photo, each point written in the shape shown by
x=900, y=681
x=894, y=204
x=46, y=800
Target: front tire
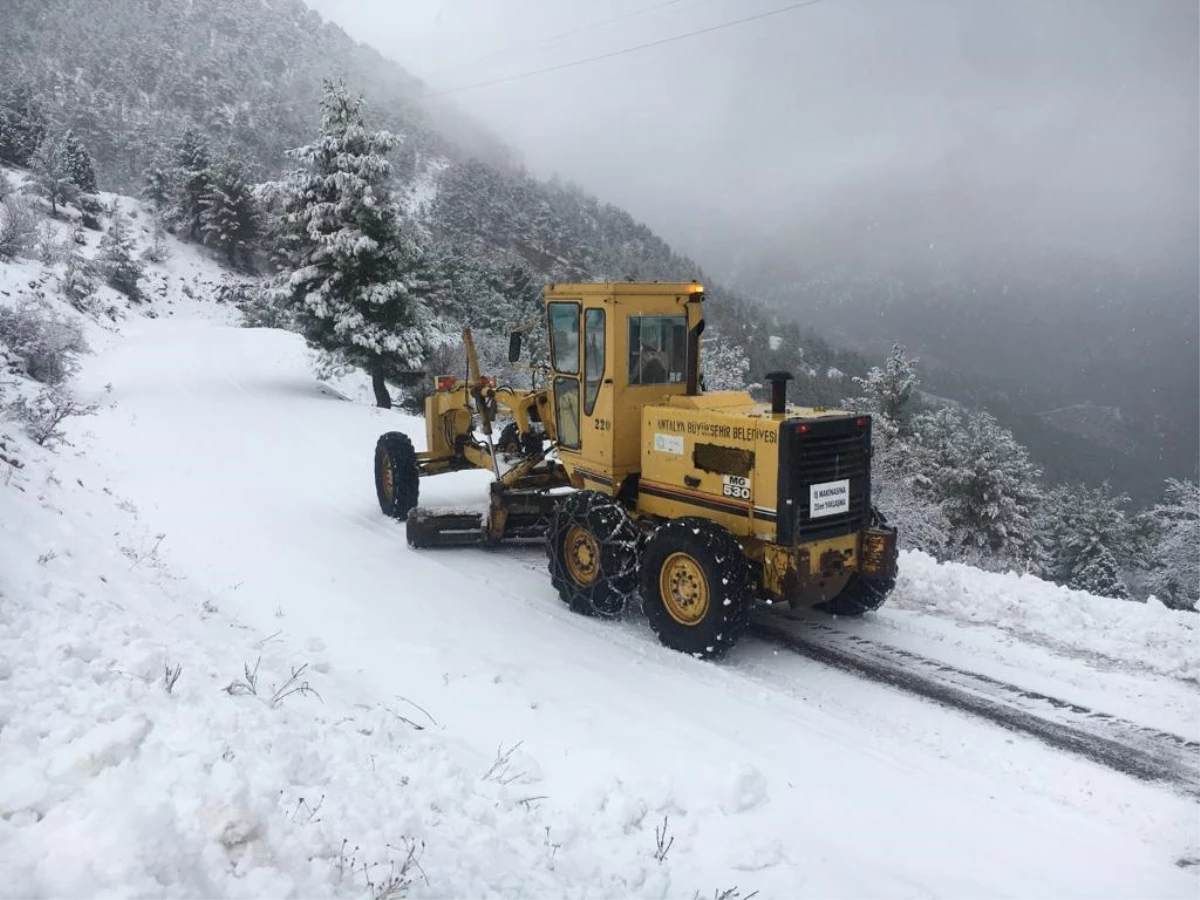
x=697, y=587
x=397, y=478
x=592, y=549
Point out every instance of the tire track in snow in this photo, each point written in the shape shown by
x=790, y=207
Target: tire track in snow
x=1145, y=753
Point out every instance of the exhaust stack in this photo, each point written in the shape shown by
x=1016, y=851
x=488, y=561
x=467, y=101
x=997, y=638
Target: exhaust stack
x=779, y=382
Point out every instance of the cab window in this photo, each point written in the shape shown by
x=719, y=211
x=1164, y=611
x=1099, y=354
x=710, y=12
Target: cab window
x=657, y=349
x=566, y=405
x=564, y=337
x=593, y=359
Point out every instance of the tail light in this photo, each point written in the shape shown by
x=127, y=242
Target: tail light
x=445, y=382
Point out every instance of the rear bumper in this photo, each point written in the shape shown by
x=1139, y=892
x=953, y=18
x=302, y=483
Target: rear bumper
x=819, y=570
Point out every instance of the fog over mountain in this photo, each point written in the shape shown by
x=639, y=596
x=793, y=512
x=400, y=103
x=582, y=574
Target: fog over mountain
x=1069, y=124
x=1010, y=188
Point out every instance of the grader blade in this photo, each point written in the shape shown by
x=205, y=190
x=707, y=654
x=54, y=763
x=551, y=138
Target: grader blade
x=436, y=528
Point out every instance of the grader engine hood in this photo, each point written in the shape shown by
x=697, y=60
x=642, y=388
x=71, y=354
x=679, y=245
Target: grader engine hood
x=788, y=480
x=795, y=486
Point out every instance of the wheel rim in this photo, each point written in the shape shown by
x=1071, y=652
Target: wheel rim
x=683, y=587
x=582, y=555
x=386, y=477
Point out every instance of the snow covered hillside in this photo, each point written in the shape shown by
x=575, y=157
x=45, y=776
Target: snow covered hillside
x=223, y=673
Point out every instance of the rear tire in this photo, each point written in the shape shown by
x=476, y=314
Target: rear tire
x=397, y=478
x=697, y=587
x=592, y=548
x=859, y=596
x=862, y=595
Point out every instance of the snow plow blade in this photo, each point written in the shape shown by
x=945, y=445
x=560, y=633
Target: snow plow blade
x=431, y=528
x=441, y=528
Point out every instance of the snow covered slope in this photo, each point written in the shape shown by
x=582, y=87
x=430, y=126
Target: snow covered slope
x=257, y=479
x=456, y=730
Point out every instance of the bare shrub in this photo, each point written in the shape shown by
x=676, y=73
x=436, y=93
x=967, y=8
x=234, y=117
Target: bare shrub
x=49, y=252
x=139, y=555
x=18, y=227
x=249, y=684
x=47, y=343
x=663, y=843
x=171, y=675
x=294, y=685
x=156, y=251
x=90, y=211
x=502, y=770
x=382, y=883
x=8, y=454
x=43, y=415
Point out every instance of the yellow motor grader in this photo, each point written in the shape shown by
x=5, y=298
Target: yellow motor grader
x=640, y=482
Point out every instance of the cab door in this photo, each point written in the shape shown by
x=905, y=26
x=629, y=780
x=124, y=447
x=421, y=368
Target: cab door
x=564, y=320
x=597, y=398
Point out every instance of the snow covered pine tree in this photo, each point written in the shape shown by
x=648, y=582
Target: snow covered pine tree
x=1175, y=529
x=52, y=168
x=228, y=213
x=121, y=268
x=888, y=393
x=355, y=279
x=22, y=122
x=193, y=181
x=983, y=481
x=80, y=167
x=1087, y=539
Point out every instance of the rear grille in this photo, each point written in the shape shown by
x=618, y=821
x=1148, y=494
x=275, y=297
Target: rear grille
x=830, y=449
x=828, y=458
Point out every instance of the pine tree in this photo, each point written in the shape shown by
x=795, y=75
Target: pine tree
x=354, y=276
x=80, y=167
x=122, y=271
x=984, y=483
x=76, y=282
x=193, y=181
x=888, y=393
x=1085, y=533
x=1098, y=572
x=22, y=123
x=1174, y=528
x=159, y=188
x=51, y=169
x=229, y=214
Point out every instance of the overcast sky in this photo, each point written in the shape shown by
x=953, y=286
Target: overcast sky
x=1061, y=122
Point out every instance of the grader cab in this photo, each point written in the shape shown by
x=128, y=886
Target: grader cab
x=641, y=483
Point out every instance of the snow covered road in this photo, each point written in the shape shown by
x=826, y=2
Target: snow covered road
x=773, y=772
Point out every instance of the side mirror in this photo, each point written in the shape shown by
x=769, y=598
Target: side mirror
x=514, y=347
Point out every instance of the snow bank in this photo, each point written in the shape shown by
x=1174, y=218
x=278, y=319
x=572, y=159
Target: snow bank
x=111, y=783
x=1075, y=623
x=153, y=745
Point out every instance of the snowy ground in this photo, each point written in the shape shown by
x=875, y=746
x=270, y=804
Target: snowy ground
x=218, y=513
